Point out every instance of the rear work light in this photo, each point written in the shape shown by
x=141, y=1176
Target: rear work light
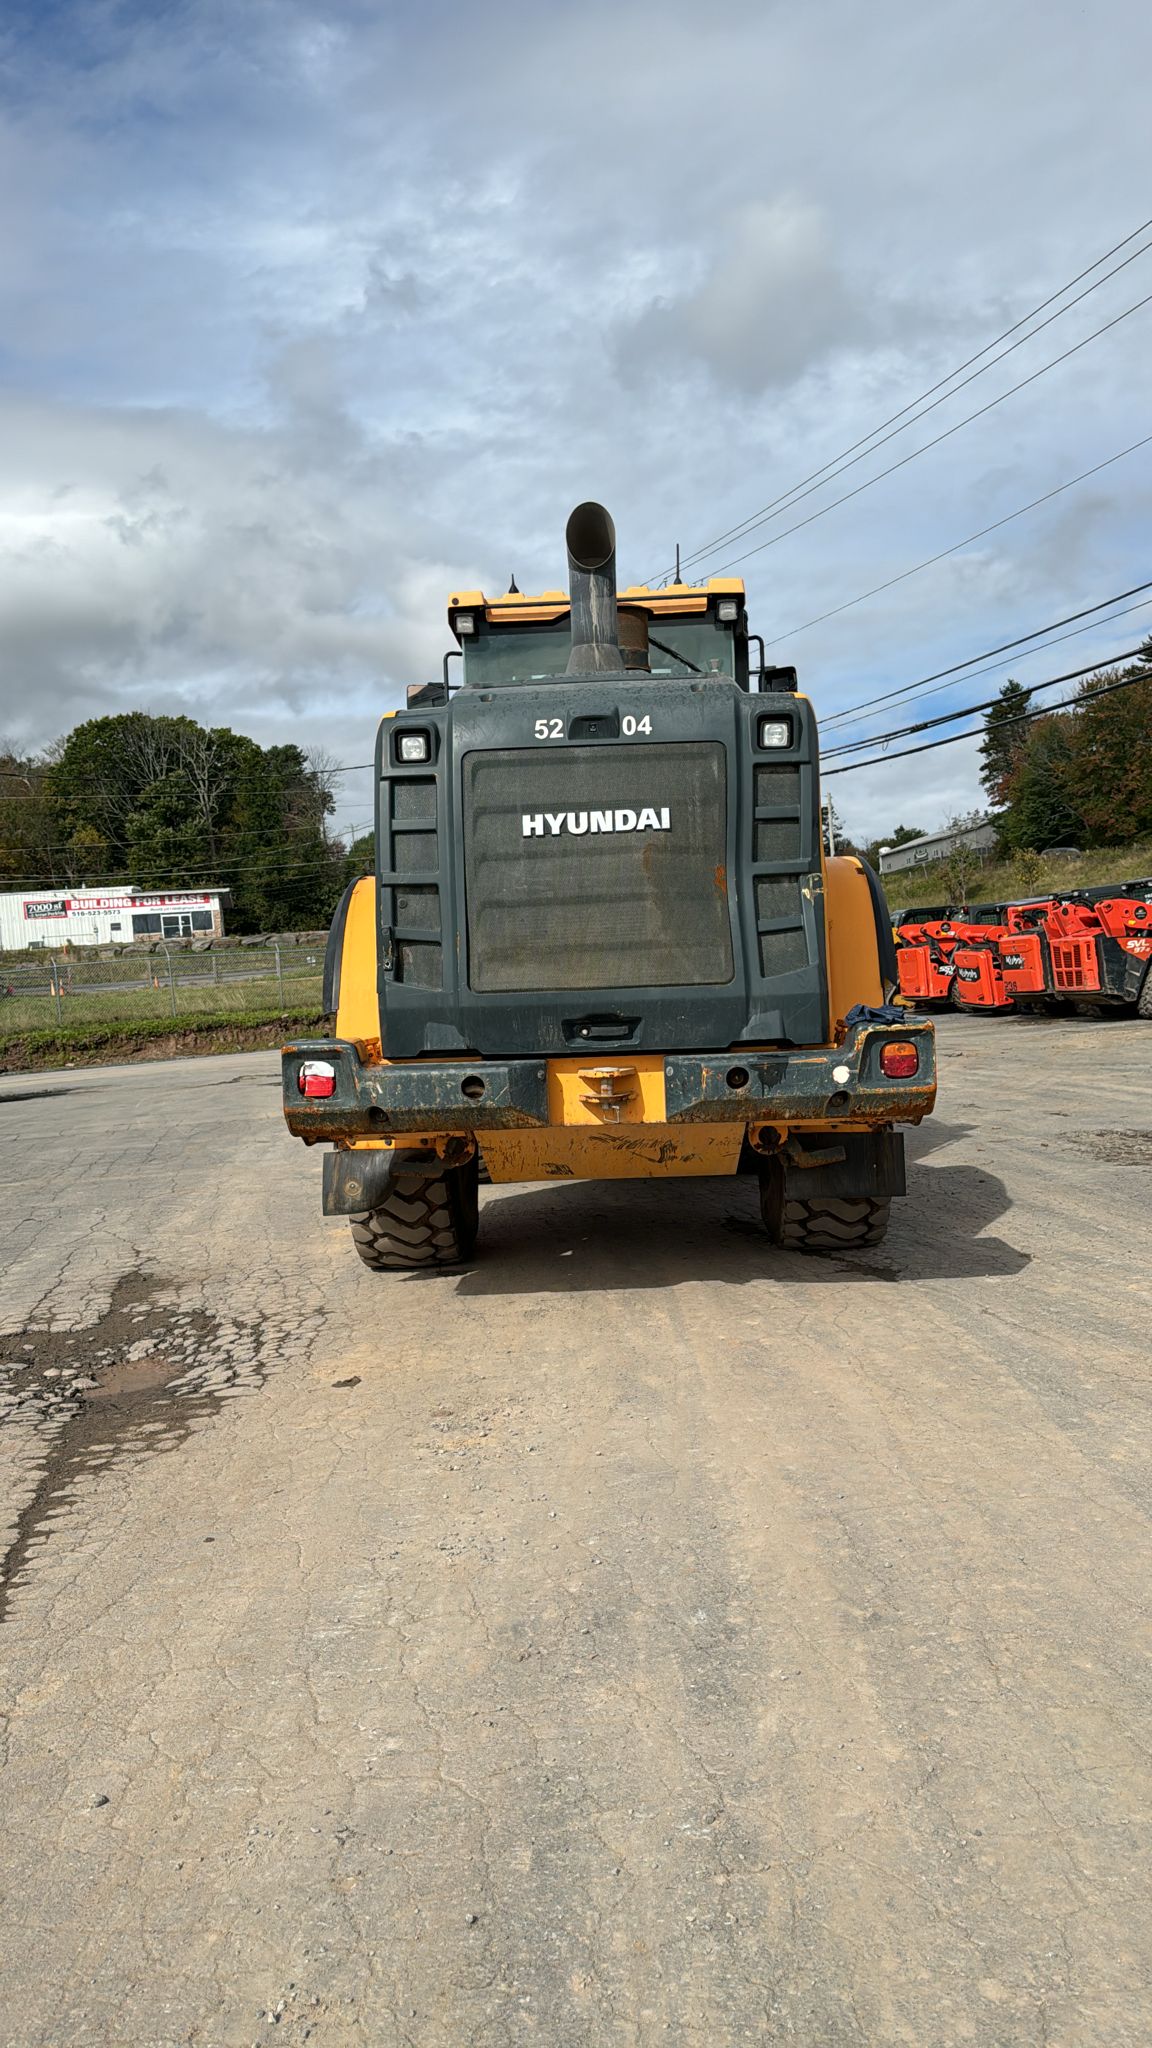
x=316, y=1077
x=899, y=1060
x=413, y=746
x=774, y=732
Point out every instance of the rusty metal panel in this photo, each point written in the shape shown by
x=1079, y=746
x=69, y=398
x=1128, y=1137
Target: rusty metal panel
x=631, y=1152
x=841, y=1084
x=838, y=1084
x=421, y=1095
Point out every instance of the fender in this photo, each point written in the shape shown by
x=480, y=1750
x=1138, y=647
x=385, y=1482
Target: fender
x=857, y=965
x=882, y=918
x=332, y=952
x=350, y=994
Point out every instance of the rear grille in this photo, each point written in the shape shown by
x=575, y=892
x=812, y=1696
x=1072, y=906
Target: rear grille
x=563, y=893
x=777, y=897
x=1074, y=964
x=410, y=889
x=781, y=952
x=779, y=841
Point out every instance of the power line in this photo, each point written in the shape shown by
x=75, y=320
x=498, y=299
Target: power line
x=791, y=632
x=743, y=525
x=170, y=884
x=915, y=454
x=853, y=711
x=172, y=877
x=21, y=775
x=1024, y=718
x=25, y=884
x=1071, y=675
x=839, y=466
x=1032, y=651
x=937, y=688
x=197, y=867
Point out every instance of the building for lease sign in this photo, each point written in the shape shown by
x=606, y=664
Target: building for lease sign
x=59, y=906
x=181, y=902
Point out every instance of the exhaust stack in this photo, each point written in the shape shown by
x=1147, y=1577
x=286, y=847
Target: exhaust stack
x=591, y=539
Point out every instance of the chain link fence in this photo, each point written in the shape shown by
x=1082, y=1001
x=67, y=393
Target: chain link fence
x=56, y=991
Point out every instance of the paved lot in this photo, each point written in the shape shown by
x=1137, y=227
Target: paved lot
x=643, y=1636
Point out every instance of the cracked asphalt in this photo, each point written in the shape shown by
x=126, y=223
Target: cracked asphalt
x=638, y=1636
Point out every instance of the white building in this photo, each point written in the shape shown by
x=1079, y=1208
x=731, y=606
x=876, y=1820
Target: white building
x=981, y=837
x=55, y=918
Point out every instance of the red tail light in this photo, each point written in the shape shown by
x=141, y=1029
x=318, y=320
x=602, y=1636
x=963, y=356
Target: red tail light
x=316, y=1077
x=899, y=1060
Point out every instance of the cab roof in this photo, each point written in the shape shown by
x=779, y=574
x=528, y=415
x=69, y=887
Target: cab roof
x=516, y=608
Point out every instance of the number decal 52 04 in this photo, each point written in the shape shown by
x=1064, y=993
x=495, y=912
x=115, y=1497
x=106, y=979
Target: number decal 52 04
x=553, y=728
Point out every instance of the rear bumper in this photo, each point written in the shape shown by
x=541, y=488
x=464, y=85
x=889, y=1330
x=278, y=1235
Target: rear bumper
x=776, y=1085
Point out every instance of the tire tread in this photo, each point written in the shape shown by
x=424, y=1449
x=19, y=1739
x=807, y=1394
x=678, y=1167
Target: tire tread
x=428, y=1222
x=824, y=1224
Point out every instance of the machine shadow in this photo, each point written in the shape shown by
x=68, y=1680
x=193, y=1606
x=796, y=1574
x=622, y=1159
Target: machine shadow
x=595, y=1237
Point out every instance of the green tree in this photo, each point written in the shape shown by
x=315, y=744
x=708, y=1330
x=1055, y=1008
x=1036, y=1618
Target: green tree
x=360, y=859
x=26, y=827
x=284, y=873
x=1005, y=739
x=168, y=803
x=1042, y=809
x=165, y=836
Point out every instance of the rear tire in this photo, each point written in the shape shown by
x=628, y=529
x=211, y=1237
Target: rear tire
x=424, y=1222
x=822, y=1223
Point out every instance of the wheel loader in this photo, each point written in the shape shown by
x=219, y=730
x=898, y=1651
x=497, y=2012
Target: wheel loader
x=603, y=940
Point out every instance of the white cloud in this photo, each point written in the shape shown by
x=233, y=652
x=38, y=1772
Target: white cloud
x=307, y=318
x=773, y=303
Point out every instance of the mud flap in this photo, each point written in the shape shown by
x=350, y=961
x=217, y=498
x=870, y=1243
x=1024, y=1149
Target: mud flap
x=843, y=1166
x=355, y=1182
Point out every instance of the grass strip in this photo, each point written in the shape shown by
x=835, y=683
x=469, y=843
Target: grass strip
x=958, y=881
x=150, y=1038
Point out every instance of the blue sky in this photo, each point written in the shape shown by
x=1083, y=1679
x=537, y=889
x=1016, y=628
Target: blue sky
x=310, y=314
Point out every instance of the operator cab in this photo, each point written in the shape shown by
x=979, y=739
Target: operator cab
x=682, y=631
x=672, y=633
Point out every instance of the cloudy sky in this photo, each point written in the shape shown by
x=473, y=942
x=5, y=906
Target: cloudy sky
x=311, y=313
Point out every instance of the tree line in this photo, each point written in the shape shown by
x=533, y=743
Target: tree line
x=1075, y=778
x=166, y=803
x=1080, y=777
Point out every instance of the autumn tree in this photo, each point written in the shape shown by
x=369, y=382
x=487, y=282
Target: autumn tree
x=1110, y=766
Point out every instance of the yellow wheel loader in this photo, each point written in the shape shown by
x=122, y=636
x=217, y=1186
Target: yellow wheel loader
x=603, y=940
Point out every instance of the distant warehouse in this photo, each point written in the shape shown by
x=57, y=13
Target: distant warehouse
x=979, y=833
x=99, y=917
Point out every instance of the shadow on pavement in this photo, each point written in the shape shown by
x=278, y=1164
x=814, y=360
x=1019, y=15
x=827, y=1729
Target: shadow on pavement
x=592, y=1237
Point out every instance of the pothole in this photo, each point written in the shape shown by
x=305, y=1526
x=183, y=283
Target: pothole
x=1114, y=1148
x=131, y=1385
